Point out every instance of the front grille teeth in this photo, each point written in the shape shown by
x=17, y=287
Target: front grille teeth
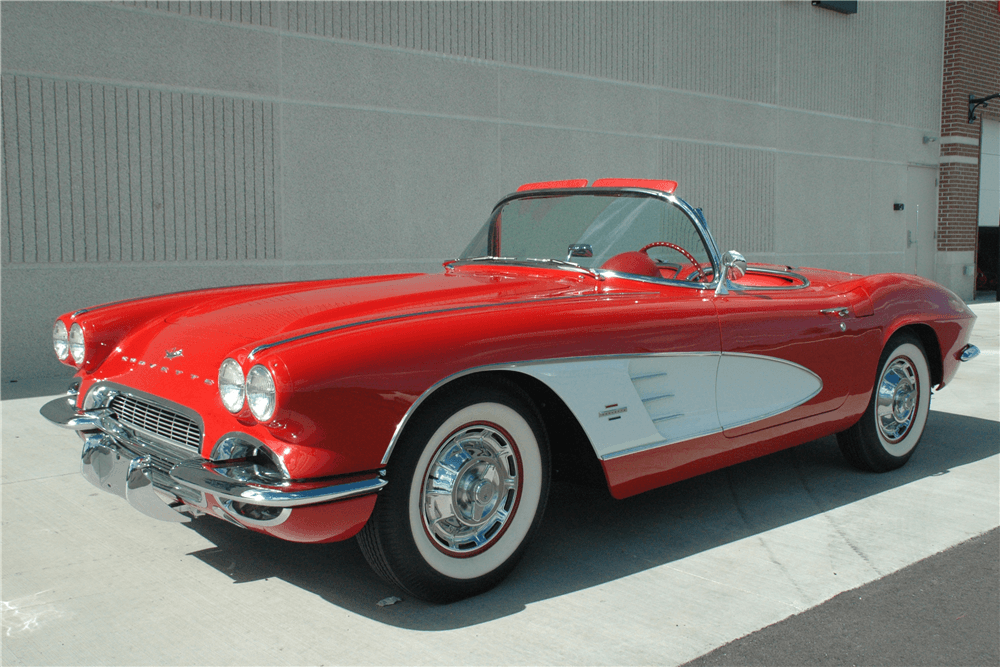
x=162, y=422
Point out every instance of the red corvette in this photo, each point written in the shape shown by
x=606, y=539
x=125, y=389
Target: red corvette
x=422, y=412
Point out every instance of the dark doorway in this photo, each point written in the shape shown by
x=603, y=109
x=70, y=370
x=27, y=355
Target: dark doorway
x=987, y=260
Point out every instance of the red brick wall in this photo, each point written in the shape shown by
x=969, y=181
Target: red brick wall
x=971, y=65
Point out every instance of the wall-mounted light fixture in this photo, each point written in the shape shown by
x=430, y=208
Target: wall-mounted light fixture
x=929, y=140
x=834, y=5
x=975, y=102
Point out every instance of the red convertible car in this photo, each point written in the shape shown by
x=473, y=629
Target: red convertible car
x=424, y=412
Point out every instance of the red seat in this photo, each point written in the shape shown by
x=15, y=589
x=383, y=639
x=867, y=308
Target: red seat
x=634, y=262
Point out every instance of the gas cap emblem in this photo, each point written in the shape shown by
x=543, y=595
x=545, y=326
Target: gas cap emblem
x=174, y=353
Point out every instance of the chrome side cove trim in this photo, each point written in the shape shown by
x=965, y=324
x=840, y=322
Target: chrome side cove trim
x=514, y=366
x=629, y=380
x=208, y=479
x=968, y=353
x=654, y=445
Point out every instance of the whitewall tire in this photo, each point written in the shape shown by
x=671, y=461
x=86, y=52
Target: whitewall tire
x=467, y=487
x=893, y=423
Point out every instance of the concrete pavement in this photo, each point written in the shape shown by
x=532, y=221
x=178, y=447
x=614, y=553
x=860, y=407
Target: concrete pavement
x=661, y=578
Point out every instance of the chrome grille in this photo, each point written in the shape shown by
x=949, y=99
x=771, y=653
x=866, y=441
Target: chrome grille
x=156, y=420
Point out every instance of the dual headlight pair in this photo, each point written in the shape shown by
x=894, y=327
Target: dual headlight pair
x=68, y=343
x=257, y=389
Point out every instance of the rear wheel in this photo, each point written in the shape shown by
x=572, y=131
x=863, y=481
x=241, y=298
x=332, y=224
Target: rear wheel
x=467, y=487
x=892, y=425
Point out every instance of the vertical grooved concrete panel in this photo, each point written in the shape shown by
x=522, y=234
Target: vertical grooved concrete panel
x=375, y=185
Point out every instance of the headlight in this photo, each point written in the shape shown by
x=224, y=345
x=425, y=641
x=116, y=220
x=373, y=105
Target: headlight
x=60, y=340
x=260, y=393
x=76, y=347
x=231, y=385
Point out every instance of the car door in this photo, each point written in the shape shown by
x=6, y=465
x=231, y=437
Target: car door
x=787, y=355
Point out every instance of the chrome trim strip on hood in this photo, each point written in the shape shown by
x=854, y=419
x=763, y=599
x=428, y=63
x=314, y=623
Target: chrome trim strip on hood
x=261, y=348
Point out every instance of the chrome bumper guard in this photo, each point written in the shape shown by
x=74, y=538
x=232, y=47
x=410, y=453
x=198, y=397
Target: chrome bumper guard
x=110, y=462
x=968, y=352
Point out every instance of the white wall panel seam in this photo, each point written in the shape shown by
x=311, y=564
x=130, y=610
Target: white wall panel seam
x=779, y=25
x=513, y=123
x=285, y=100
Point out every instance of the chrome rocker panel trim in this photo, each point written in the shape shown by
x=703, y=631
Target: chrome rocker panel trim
x=109, y=461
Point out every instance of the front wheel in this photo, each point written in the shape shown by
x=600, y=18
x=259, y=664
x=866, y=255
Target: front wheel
x=888, y=432
x=467, y=487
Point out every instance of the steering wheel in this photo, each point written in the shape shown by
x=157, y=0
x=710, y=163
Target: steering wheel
x=674, y=246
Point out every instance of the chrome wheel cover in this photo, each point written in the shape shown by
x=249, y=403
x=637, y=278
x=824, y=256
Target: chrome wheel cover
x=898, y=399
x=471, y=489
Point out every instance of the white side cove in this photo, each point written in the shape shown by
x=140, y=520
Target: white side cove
x=752, y=388
x=630, y=404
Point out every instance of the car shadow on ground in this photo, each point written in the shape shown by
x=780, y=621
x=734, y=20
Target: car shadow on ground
x=587, y=538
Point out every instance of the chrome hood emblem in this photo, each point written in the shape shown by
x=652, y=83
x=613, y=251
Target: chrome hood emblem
x=174, y=353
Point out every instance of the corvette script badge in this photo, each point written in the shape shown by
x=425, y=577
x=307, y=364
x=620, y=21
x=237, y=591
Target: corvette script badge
x=174, y=353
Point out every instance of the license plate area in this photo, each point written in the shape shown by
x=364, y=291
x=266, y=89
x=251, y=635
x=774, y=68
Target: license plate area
x=129, y=476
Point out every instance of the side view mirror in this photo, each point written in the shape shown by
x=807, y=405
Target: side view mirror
x=734, y=267
x=579, y=250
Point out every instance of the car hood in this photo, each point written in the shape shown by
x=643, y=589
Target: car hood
x=176, y=355
x=264, y=311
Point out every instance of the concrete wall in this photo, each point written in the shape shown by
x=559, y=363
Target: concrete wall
x=154, y=147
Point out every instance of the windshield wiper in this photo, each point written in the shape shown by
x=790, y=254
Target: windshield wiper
x=530, y=260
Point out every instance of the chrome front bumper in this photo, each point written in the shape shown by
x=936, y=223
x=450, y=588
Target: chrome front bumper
x=114, y=461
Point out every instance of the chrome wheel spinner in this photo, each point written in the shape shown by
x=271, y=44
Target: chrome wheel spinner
x=471, y=489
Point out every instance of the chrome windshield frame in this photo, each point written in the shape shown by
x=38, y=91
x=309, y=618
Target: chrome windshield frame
x=700, y=225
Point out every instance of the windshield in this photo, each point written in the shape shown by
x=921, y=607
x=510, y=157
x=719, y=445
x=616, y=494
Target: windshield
x=593, y=230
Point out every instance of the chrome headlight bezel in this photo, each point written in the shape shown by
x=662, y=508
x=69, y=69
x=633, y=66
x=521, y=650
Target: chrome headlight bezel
x=261, y=393
x=60, y=340
x=232, y=387
x=77, y=344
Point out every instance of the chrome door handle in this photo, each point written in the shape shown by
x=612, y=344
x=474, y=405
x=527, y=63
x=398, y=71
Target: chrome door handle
x=839, y=312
